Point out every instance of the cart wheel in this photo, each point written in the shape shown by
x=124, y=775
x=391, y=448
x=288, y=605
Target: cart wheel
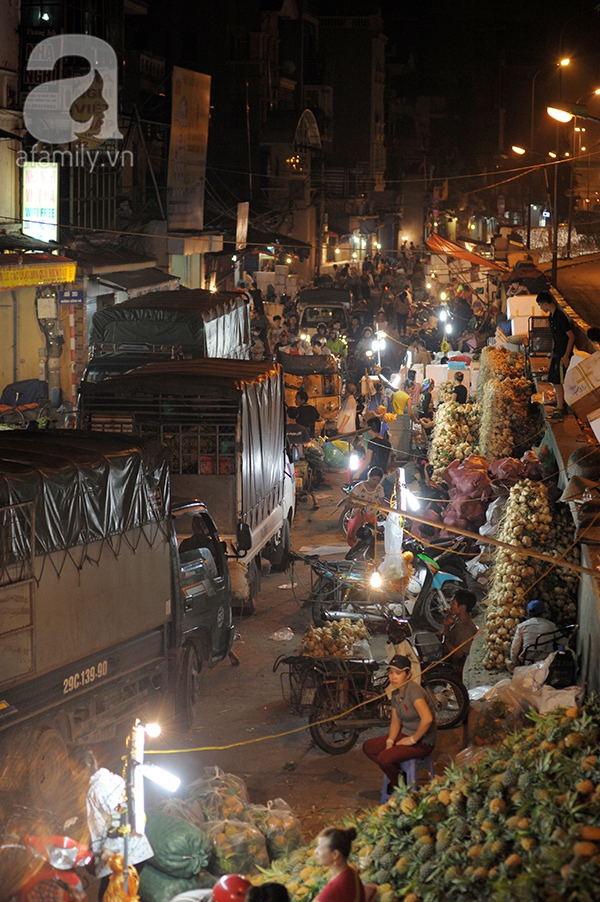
x=450, y=700
x=331, y=737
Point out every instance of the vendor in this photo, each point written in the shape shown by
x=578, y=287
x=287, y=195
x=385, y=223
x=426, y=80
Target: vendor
x=332, y=851
x=530, y=631
x=459, y=629
x=412, y=730
x=371, y=491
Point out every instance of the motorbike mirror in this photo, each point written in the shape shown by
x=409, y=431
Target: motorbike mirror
x=244, y=537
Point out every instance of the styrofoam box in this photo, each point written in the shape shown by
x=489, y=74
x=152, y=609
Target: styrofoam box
x=520, y=324
x=522, y=305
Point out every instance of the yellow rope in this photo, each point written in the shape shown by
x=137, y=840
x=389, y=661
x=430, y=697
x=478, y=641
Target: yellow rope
x=235, y=745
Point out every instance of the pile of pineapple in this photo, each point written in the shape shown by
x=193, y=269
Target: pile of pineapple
x=334, y=640
x=521, y=822
x=455, y=435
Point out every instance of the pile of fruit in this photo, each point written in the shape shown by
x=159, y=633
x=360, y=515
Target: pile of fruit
x=334, y=640
x=504, y=407
x=526, y=524
x=559, y=587
x=519, y=822
x=497, y=363
x=455, y=434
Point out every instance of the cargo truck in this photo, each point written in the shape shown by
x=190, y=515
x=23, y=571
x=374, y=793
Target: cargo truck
x=223, y=422
x=113, y=596
x=165, y=325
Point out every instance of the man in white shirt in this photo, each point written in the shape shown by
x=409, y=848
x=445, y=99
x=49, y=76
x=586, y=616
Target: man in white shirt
x=346, y=418
x=531, y=629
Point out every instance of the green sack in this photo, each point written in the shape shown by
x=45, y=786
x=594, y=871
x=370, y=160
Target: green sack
x=180, y=848
x=155, y=886
x=333, y=456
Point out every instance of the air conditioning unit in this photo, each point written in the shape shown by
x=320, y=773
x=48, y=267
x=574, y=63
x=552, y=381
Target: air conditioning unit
x=8, y=90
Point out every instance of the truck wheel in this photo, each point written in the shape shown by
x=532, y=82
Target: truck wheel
x=192, y=673
x=49, y=771
x=279, y=558
x=254, y=585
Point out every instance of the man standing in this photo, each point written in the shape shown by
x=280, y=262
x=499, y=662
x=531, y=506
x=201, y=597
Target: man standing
x=307, y=414
x=563, y=341
x=346, y=418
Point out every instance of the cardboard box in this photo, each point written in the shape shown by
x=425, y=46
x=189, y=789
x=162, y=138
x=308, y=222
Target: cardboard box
x=582, y=386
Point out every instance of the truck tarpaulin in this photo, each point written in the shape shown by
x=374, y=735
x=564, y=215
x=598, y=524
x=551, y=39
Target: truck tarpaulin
x=74, y=478
x=202, y=323
x=185, y=402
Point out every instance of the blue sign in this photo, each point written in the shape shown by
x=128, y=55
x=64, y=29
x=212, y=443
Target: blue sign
x=71, y=296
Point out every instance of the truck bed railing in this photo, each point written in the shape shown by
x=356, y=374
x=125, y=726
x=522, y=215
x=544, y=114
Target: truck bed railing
x=17, y=552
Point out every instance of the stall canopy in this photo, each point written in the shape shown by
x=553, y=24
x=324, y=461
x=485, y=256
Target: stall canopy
x=440, y=245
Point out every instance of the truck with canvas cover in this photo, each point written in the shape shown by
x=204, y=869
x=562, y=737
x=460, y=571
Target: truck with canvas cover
x=168, y=325
x=223, y=423
x=113, y=597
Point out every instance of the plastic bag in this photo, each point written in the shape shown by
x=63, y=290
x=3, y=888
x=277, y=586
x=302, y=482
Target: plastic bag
x=180, y=848
x=507, y=468
x=187, y=809
x=239, y=848
x=393, y=534
x=501, y=711
x=156, y=886
x=220, y=795
x=333, y=456
x=278, y=824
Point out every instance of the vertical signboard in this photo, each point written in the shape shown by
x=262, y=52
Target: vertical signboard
x=40, y=201
x=187, y=149
x=241, y=230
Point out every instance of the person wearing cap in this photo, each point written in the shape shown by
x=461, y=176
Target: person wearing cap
x=529, y=631
x=320, y=335
x=412, y=730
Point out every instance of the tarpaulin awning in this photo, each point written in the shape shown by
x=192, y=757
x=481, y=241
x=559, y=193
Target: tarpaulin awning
x=139, y=282
x=440, y=245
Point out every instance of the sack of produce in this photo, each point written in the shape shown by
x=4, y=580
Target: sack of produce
x=277, y=823
x=532, y=466
x=180, y=848
x=333, y=456
x=221, y=795
x=239, y=848
x=187, y=809
x=507, y=468
x=156, y=886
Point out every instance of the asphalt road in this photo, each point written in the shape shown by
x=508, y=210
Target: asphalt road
x=579, y=284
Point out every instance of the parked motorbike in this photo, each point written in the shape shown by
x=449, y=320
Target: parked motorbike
x=53, y=857
x=343, y=697
x=342, y=589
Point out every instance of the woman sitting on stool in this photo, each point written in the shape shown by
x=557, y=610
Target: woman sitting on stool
x=412, y=729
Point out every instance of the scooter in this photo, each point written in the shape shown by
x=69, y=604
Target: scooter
x=61, y=855
x=53, y=857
